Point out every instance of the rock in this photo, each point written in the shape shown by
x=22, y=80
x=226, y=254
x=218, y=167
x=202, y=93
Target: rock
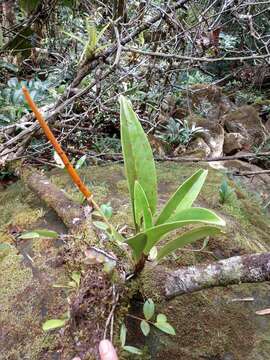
x=198, y=148
x=167, y=108
x=210, y=101
x=233, y=142
x=246, y=121
x=213, y=135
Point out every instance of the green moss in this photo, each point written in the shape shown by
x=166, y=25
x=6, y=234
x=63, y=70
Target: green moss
x=202, y=330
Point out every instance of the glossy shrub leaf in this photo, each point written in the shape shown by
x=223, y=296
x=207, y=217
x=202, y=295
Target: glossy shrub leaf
x=165, y=327
x=53, y=324
x=137, y=243
x=141, y=207
x=148, y=309
x=138, y=157
x=145, y=327
x=187, y=238
x=185, y=217
x=133, y=350
x=123, y=334
x=184, y=196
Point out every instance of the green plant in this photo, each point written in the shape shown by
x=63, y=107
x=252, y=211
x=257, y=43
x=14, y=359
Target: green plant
x=227, y=41
x=12, y=101
x=73, y=284
x=225, y=192
x=178, y=132
x=123, y=336
x=142, y=182
x=161, y=323
x=94, y=36
x=194, y=77
x=106, y=144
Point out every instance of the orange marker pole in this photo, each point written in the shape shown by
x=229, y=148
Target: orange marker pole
x=72, y=172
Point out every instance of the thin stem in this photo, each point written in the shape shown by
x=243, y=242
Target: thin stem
x=140, y=319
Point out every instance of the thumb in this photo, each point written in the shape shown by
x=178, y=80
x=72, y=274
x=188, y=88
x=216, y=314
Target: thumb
x=107, y=351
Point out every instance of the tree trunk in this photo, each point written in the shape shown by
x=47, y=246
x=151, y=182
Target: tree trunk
x=8, y=17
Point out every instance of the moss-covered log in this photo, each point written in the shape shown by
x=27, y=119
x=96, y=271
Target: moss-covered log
x=72, y=214
x=238, y=269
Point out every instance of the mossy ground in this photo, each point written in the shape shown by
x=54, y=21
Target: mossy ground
x=208, y=324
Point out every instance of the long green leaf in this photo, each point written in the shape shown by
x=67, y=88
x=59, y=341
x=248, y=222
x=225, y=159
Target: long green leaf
x=184, y=196
x=185, y=217
x=197, y=213
x=187, y=238
x=132, y=350
x=138, y=157
x=41, y=233
x=141, y=207
x=137, y=243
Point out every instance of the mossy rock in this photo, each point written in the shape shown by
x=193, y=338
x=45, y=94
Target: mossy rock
x=210, y=324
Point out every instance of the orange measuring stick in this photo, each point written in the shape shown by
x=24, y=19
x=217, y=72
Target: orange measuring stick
x=72, y=172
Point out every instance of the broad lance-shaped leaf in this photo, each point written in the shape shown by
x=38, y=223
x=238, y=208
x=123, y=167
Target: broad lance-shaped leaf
x=137, y=243
x=141, y=207
x=185, y=217
x=197, y=213
x=187, y=238
x=184, y=196
x=138, y=157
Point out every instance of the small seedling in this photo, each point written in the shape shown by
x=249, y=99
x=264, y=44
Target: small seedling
x=161, y=323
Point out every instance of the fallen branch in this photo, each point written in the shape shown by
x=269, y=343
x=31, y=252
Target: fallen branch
x=220, y=158
x=71, y=213
x=250, y=173
x=238, y=269
x=192, y=58
x=119, y=157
